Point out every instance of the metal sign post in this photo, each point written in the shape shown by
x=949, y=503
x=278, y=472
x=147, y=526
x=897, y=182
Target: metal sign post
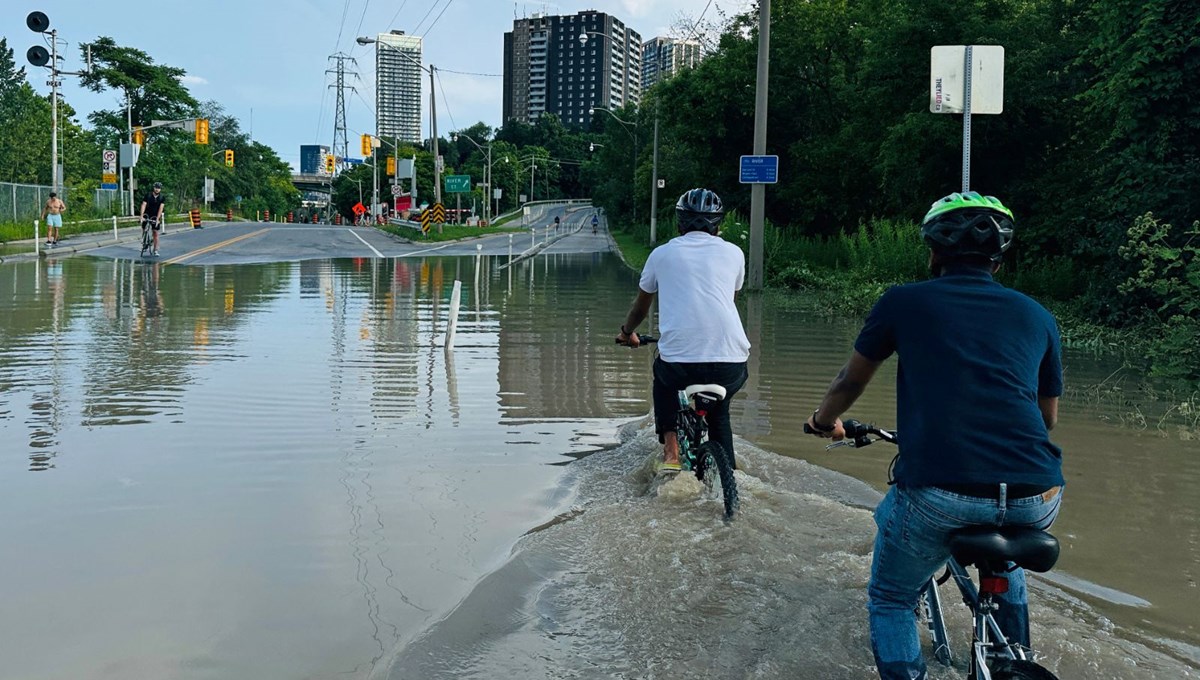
x=980, y=69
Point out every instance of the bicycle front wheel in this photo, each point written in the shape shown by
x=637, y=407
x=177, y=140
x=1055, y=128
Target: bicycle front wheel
x=1008, y=669
x=724, y=464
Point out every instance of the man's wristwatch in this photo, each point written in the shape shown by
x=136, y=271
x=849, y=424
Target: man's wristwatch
x=625, y=332
x=818, y=426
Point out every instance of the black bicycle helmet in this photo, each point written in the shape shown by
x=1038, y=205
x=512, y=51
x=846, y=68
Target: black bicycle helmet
x=699, y=210
x=968, y=224
x=158, y=185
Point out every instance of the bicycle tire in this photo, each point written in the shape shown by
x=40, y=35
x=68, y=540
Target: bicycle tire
x=1010, y=669
x=147, y=240
x=722, y=460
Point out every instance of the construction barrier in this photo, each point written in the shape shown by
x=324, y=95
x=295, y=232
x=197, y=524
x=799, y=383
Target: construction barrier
x=291, y=218
x=266, y=216
x=194, y=215
x=337, y=219
x=229, y=215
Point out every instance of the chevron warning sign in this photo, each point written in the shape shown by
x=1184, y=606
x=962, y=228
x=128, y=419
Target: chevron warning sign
x=426, y=218
x=439, y=213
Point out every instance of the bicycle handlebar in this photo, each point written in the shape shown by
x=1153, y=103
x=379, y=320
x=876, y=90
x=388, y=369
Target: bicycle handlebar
x=859, y=434
x=642, y=340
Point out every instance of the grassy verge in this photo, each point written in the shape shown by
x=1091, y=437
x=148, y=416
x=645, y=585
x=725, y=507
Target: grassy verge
x=635, y=247
x=450, y=232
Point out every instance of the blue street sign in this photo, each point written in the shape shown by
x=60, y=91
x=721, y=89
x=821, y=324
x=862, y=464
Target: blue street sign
x=108, y=187
x=353, y=161
x=759, y=170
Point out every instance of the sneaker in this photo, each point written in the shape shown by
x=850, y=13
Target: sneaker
x=667, y=468
x=156, y=252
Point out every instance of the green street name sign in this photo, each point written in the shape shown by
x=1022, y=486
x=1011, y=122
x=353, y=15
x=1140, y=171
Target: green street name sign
x=458, y=184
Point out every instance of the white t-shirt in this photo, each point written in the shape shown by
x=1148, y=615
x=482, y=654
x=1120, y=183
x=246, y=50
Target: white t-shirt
x=695, y=277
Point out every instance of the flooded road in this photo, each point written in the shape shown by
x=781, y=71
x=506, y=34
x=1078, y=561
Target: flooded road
x=275, y=471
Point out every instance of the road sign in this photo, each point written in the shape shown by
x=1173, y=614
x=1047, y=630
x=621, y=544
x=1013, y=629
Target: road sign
x=439, y=213
x=359, y=208
x=497, y=193
x=759, y=170
x=458, y=184
x=426, y=219
x=947, y=79
x=110, y=162
x=397, y=190
x=662, y=184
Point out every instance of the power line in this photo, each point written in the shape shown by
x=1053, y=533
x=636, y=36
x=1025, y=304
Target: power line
x=342, y=27
x=397, y=14
x=468, y=73
x=358, y=31
x=431, y=8
x=447, y=103
x=439, y=16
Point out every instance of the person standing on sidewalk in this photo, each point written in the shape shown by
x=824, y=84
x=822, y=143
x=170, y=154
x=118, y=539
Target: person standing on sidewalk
x=52, y=214
x=153, y=206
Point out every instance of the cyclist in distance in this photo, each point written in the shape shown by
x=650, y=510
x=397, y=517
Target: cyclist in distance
x=595, y=221
x=152, y=209
x=696, y=277
x=976, y=395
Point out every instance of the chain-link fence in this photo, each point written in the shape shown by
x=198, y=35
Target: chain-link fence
x=23, y=202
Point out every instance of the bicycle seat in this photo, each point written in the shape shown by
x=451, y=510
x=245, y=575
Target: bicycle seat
x=713, y=392
x=983, y=546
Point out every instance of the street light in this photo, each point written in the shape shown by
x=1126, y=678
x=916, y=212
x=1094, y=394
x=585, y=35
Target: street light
x=437, y=170
x=487, y=214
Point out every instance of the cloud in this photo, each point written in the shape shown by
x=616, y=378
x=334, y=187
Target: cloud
x=192, y=80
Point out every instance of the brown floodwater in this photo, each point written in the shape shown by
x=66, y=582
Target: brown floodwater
x=277, y=471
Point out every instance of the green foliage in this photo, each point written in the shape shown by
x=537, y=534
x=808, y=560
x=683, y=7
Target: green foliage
x=1168, y=269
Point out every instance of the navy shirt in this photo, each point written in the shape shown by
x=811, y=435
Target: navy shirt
x=974, y=358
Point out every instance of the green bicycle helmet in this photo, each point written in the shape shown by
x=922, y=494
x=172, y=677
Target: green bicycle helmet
x=968, y=224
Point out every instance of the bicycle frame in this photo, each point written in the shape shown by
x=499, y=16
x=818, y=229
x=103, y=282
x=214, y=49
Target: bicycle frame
x=988, y=643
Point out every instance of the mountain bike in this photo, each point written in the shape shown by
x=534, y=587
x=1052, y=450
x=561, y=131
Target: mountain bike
x=148, y=226
x=697, y=453
x=989, y=549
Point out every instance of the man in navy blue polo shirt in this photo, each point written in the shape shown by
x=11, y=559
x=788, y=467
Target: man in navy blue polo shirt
x=977, y=392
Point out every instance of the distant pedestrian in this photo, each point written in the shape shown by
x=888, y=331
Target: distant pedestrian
x=52, y=214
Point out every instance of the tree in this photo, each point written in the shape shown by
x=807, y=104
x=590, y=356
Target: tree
x=151, y=91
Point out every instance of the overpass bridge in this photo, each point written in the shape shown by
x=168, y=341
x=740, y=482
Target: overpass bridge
x=315, y=182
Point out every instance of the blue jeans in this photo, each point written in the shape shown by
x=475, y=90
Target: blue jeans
x=911, y=545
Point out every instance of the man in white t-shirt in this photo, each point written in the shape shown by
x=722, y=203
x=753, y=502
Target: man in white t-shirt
x=696, y=277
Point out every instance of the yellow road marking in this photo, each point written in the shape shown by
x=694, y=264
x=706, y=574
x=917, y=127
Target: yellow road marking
x=215, y=246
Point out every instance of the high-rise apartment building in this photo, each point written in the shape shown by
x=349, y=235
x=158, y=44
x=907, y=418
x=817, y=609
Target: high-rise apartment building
x=548, y=69
x=664, y=57
x=398, y=86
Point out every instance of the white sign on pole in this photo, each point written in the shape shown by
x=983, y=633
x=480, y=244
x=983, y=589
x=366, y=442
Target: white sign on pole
x=947, y=79
x=110, y=162
x=496, y=193
x=129, y=154
x=662, y=184
x=210, y=189
x=397, y=190
x=441, y=164
x=523, y=198
x=404, y=168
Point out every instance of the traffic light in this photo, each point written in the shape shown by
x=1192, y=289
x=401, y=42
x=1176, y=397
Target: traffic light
x=391, y=165
x=366, y=145
x=139, y=136
x=229, y=158
x=329, y=164
x=202, y=131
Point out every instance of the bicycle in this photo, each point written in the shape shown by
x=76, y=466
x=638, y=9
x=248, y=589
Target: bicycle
x=697, y=453
x=148, y=227
x=989, y=549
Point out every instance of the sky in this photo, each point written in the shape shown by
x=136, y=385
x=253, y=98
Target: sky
x=265, y=61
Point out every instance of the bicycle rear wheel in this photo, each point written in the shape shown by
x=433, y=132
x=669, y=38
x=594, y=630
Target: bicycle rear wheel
x=724, y=464
x=147, y=240
x=1008, y=669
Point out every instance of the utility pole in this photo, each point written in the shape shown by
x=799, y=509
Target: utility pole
x=654, y=185
x=437, y=158
x=758, y=192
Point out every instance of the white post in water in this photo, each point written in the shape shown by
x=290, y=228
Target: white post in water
x=478, y=260
x=37, y=249
x=510, y=249
x=455, y=301
x=114, y=227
